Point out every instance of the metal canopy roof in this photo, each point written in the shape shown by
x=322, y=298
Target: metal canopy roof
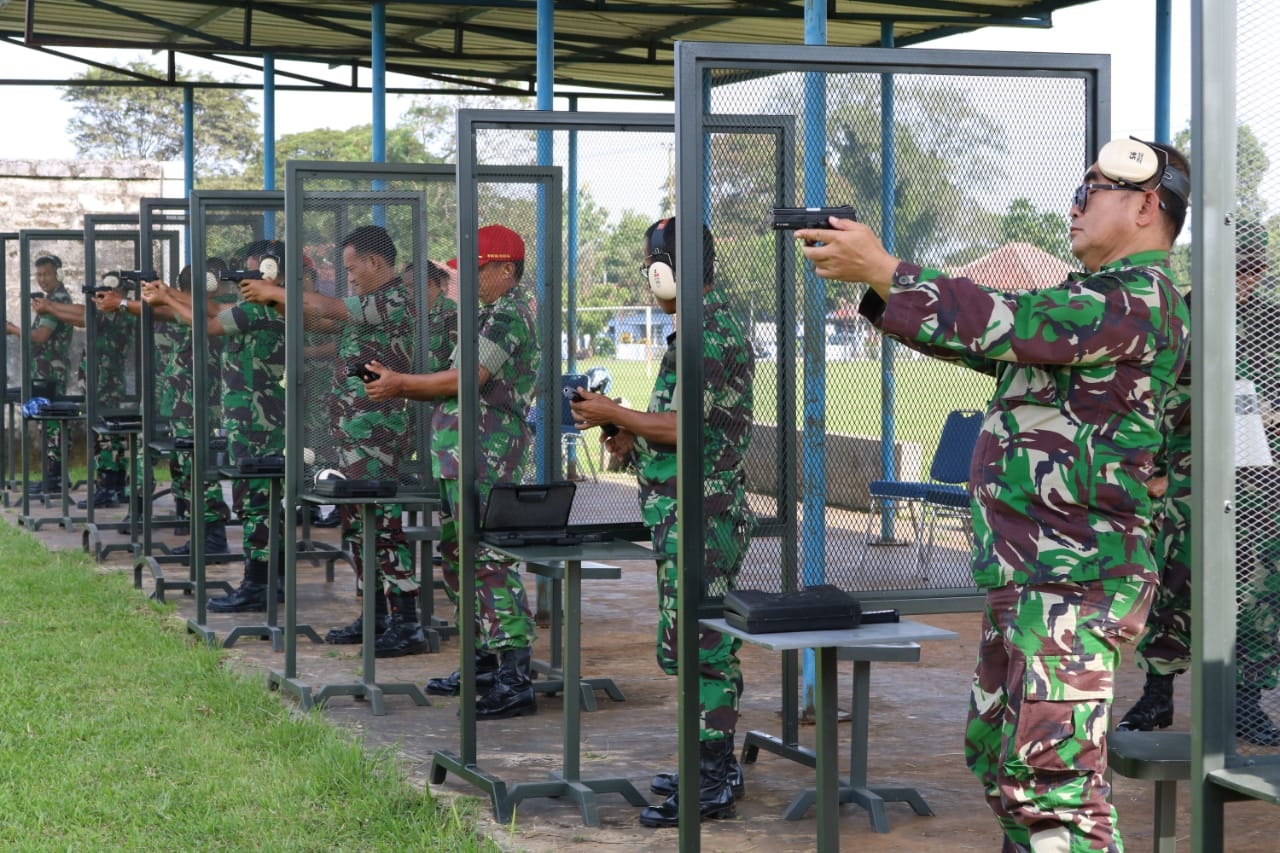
x=624, y=46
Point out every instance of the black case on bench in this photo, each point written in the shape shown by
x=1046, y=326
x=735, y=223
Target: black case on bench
x=816, y=608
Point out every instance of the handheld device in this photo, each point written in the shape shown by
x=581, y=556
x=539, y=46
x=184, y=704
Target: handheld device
x=795, y=218
x=362, y=373
x=573, y=394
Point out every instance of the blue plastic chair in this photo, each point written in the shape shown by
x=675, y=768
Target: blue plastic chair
x=944, y=491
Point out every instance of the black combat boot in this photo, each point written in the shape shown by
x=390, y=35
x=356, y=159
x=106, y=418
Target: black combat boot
x=250, y=596
x=1253, y=725
x=215, y=541
x=715, y=792
x=512, y=692
x=451, y=685
x=52, y=484
x=666, y=784
x=105, y=495
x=1154, y=710
x=353, y=634
x=404, y=634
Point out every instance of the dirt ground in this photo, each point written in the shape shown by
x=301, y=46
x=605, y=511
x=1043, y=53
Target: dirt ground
x=917, y=716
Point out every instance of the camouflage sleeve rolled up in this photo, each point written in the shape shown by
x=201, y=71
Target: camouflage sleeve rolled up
x=1084, y=374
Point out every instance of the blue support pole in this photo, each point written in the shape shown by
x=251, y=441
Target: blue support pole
x=188, y=156
x=378, y=66
x=545, y=69
x=1164, y=59
x=269, y=138
x=888, y=178
x=571, y=255
x=813, y=441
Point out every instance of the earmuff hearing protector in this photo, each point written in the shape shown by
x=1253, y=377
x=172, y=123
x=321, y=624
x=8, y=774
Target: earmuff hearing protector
x=660, y=255
x=271, y=262
x=1134, y=162
x=111, y=280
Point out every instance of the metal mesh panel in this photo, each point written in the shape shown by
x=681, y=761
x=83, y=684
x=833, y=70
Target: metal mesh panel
x=109, y=369
x=612, y=334
x=1257, y=389
x=57, y=360
x=382, y=319
x=966, y=198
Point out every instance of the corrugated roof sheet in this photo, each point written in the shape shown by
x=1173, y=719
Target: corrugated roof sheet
x=618, y=45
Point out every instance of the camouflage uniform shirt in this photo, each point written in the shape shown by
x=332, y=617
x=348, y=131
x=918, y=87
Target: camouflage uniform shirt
x=380, y=326
x=509, y=350
x=52, y=359
x=1084, y=374
x=442, y=333
x=728, y=370
x=253, y=366
x=113, y=340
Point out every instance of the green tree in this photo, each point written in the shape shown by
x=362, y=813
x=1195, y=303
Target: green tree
x=353, y=145
x=145, y=122
x=1047, y=231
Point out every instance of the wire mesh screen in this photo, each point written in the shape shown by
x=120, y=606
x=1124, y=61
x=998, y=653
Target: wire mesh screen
x=1257, y=383
x=166, y=340
x=242, y=356
x=359, y=240
x=54, y=346
x=109, y=369
x=936, y=163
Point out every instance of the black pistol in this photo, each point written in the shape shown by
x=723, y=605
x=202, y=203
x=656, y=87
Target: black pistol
x=795, y=218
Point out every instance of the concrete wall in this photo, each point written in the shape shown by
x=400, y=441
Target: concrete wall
x=853, y=461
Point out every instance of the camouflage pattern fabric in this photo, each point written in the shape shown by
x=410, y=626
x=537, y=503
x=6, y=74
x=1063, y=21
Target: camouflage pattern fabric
x=729, y=369
x=175, y=402
x=1040, y=709
x=253, y=410
x=442, y=333
x=1166, y=647
x=1258, y=517
x=503, y=617
x=509, y=350
x=1085, y=373
x=373, y=439
x=113, y=342
x=51, y=361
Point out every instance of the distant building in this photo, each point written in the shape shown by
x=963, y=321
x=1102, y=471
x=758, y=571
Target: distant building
x=1016, y=266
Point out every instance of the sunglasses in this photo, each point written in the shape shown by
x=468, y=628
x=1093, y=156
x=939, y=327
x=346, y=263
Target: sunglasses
x=1080, y=198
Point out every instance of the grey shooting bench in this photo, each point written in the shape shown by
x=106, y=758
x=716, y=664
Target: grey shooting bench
x=894, y=641
x=1164, y=757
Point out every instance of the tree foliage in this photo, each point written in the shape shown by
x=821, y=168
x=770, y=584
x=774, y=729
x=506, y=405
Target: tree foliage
x=1044, y=230
x=145, y=122
x=353, y=145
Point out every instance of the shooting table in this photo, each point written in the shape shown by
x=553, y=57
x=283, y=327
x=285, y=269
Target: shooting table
x=66, y=520
x=893, y=641
x=568, y=782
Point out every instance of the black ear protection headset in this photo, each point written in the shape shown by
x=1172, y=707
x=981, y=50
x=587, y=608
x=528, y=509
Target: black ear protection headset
x=57, y=265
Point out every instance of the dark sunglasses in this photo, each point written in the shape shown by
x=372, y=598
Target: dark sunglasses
x=1080, y=198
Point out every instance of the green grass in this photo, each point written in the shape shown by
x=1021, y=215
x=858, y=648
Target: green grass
x=927, y=390
x=119, y=731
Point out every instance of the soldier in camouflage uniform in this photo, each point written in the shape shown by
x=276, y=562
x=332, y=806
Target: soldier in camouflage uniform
x=252, y=413
x=174, y=389
x=50, y=354
x=1165, y=650
x=370, y=437
x=650, y=439
x=508, y=371
x=1085, y=373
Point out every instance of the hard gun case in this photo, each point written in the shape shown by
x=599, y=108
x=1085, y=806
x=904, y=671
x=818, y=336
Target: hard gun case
x=815, y=608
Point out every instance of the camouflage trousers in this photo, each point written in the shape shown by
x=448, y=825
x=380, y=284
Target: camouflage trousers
x=251, y=500
x=1041, y=706
x=719, y=671
x=52, y=445
x=504, y=620
x=215, y=505
x=1166, y=647
x=110, y=454
x=391, y=548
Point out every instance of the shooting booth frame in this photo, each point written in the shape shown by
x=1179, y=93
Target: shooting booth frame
x=700, y=69
x=463, y=763
x=100, y=230
x=26, y=257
